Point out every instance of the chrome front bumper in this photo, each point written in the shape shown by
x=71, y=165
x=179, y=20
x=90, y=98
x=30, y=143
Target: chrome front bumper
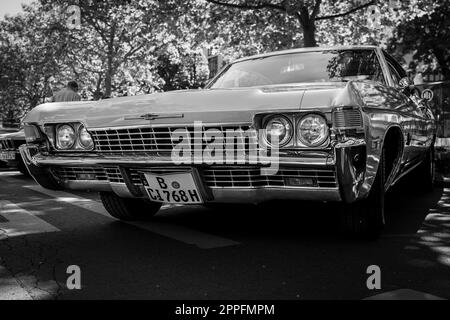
x=349, y=175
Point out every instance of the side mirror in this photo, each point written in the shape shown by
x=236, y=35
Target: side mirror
x=407, y=86
x=405, y=83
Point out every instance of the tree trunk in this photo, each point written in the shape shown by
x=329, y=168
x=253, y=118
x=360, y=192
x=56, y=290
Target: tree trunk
x=108, y=76
x=309, y=35
x=109, y=69
x=309, y=28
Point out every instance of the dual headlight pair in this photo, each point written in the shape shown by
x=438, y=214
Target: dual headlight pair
x=310, y=130
x=72, y=137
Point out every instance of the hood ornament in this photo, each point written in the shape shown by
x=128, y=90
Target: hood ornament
x=154, y=116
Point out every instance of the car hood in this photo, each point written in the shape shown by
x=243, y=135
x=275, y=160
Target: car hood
x=208, y=106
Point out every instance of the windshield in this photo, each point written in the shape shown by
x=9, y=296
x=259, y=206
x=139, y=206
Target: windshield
x=316, y=66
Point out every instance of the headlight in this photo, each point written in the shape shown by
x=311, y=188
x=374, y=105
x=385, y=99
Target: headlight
x=85, y=138
x=312, y=130
x=65, y=137
x=278, y=128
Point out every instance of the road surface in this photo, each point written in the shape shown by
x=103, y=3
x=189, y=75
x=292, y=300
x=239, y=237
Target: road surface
x=287, y=251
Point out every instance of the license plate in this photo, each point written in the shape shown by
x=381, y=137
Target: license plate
x=7, y=155
x=173, y=188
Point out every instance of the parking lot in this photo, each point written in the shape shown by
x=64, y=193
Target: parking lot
x=276, y=251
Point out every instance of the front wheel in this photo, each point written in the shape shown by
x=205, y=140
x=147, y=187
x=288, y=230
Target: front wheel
x=22, y=167
x=129, y=209
x=365, y=218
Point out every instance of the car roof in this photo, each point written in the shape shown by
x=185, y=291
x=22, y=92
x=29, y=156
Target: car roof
x=309, y=49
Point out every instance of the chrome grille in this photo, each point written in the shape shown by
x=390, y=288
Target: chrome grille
x=213, y=176
x=109, y=174
x=235, y=177
x=347, y=119
x=114, y=175
x=79, y=173
x=246, y=177
x=159, y=139
x=6, y=144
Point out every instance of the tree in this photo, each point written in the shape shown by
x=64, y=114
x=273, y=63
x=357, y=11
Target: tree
x=305, y=12
x=120, y=45
x=427, y=36
x=109, y=34
x=32, y=51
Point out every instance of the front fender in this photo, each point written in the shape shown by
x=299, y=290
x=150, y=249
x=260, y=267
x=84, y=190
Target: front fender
x=351, y=158
x=43, y=176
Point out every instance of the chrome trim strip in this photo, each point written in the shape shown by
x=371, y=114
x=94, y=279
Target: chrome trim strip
x=154, y=116
x=159, y=125
x=160, y=161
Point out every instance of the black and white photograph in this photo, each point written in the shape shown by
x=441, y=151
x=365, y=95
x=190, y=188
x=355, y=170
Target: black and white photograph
x=224, y=158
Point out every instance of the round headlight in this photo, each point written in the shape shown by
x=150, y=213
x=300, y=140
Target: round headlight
x=279, y=129
x=65, y=137
x=312, y=130
x=85, y=138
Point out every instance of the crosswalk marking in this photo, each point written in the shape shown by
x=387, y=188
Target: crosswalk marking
x=69, y=198
x=20, y=222
x=186, y=235
x=176, y=232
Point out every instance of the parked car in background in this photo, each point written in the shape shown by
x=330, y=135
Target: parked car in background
x=9, y=150
x=348, y=122
x=5, y=129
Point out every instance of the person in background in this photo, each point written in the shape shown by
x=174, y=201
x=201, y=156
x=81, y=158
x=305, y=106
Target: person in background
x=69, y=93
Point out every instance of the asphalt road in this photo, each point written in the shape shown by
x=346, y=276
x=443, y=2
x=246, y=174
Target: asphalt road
x=282, y=251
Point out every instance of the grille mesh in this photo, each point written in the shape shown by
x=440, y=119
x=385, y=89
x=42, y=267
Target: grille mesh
x=114, y=175
x=159, y=140
x=235, y=177
x=219, y=177
x=6, y=144
x=213, y=177
x=79, y=173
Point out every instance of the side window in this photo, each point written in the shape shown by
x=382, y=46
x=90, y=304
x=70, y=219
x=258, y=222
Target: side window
x=396, y=70
x=394, y=74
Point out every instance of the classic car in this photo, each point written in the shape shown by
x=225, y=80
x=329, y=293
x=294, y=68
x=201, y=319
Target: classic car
x=340, y=124
x=9, y=150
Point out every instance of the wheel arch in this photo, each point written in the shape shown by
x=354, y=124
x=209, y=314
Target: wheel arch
x=393, y=146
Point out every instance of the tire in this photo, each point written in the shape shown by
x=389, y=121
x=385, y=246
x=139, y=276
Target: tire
x=129, y=209
x=46, y=181
x=364, y=219
x=425, y=172
x=22, y=168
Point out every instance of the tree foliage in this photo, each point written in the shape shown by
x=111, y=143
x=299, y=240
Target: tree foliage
x=305, y=14
x=31, y=52
x=130, y=47
x=426, y=35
